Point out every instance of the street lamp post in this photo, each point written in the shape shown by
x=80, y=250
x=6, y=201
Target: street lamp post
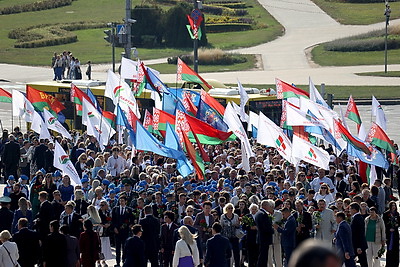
x=387, y=15
x=195, y=45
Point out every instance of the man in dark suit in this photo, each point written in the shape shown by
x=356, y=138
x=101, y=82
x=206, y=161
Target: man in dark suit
x=218, y=249
x=150, y=236
x=203, y=223
x=304, y=224
x=39, y=155
x=28, y=244
x=6, y=214
x=288, y=231
x=167, y=238
x=11, y=157
x=133, y=255
x=358, y=234
x=54, y=247
x=251, y=236
x=265, y=231
x=73, y=220
x=221, y=204
x=72, y=242
x=58, y=208
x=343, y=242
x=340, y=184
x=44, y=216
x=122, y=220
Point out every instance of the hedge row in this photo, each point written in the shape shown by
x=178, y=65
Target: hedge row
x=364, y=1
x=35, y=6
x=220, y=10
x=227, y=19
x=217, y=59
x=228, y=27
x=49, y=35
x=363, y=45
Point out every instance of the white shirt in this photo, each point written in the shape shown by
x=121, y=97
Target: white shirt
x=120, y=161
x=207, y=219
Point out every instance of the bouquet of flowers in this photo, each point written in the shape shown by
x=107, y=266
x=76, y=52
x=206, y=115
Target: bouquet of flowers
x=160, y=211
x=381, y=252
x=300, y=219
x=203, y=224
x=247, y=221
x=393, y=198
x=317, y=216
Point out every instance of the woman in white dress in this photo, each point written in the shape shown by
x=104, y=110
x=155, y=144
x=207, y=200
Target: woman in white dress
x=186, y=252
x=8, y=250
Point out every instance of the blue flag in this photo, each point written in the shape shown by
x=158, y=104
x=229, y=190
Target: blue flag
x=94, y=100
x=123, y=121
x=327, y=136
x=172, y=141
x=147, y=142
x=179, y=93
x=254, y=131
x=376, y=158
x=155, y=83
x=171, y=103
x=211, y=116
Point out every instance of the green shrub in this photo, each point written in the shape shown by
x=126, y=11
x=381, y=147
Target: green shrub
x=211, y=57
x=228, y=27
x=228, y=19
x=35, y=6
x=364, y=1
x=232, y=5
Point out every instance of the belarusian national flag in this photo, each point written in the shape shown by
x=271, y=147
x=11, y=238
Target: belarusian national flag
x=197, y=161
x=352, y=112
x=41, y=100
x=285, y=90
x=160, y=119
x=350, y=139
x=110, y=117
x=185, y=73
x=5, y=96
x=378, y=137
x=76, y=97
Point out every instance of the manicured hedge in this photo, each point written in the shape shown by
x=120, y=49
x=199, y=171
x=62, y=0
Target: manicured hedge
x=35, y=6
x=228, y=27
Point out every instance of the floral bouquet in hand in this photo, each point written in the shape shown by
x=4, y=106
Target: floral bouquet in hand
x=247, y=221
x=317, y=216
x=299, y=219
x=381, y=252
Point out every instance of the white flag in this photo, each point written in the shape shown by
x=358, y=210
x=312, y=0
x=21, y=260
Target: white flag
x=235, y=125
x=362, y=134
x=306, y=105
x=62, y=162
x=378, y=112
x=38, y=126
x=306, y=151
x=120, y=93
x=245, y=159
x=253, y=120
x=53, y=124
x=296, y=117
x=244, y=97
x=129, y=69
x=315, y=96
x=97, y=125
x=372, y=176
x=271, y=135
x=21, y=106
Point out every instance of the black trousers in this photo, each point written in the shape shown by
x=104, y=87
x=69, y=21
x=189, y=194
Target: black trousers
x=167, y=258
x=152, y=256
x=252, y=254
x=263, y=255
x=362, y=258
x=119, y=245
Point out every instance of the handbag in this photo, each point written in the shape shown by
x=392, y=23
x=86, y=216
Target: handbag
x=12, y=261
x=239, y=233
x=101, y=256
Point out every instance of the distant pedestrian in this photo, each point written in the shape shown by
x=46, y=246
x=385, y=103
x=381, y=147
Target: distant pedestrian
x=89, y=70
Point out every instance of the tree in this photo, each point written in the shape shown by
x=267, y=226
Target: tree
x=148, y=29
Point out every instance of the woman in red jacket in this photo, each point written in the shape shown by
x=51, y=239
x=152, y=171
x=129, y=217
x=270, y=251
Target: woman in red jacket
x=90, y=247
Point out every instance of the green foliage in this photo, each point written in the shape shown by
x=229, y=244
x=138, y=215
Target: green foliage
x=148, y=29
x=227, y=19
x=211, y=57
x=35, y=6
x=363, y=1
x=228, y=27
x=223, y=10
x=48, y=35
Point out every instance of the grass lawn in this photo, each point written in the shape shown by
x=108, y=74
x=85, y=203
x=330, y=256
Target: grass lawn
x=381, y=74
x=343, y=92
x=166, y=68
x=92, y=46
x=333, y=58
x=359, y=14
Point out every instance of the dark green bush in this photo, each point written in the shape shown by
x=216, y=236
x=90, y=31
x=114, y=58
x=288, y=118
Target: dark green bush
x=35, y=6
x=211, y=57
x=363, y=45
x=228, y=27
x=364, y=1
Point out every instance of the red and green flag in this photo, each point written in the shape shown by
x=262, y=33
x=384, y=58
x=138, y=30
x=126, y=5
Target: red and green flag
x=185, y=73
x=379, y=138
x=197, y=161
x=285, y=90
x=41, y=100
x=352, y=112
x=200, y=147
x=77, y=96
x=109, y=116
x=346, y=135
x=5, y=96
x=212, y=102
x=160, y=119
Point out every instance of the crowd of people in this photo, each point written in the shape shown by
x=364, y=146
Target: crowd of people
x=67, y=66
x=143, y=207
